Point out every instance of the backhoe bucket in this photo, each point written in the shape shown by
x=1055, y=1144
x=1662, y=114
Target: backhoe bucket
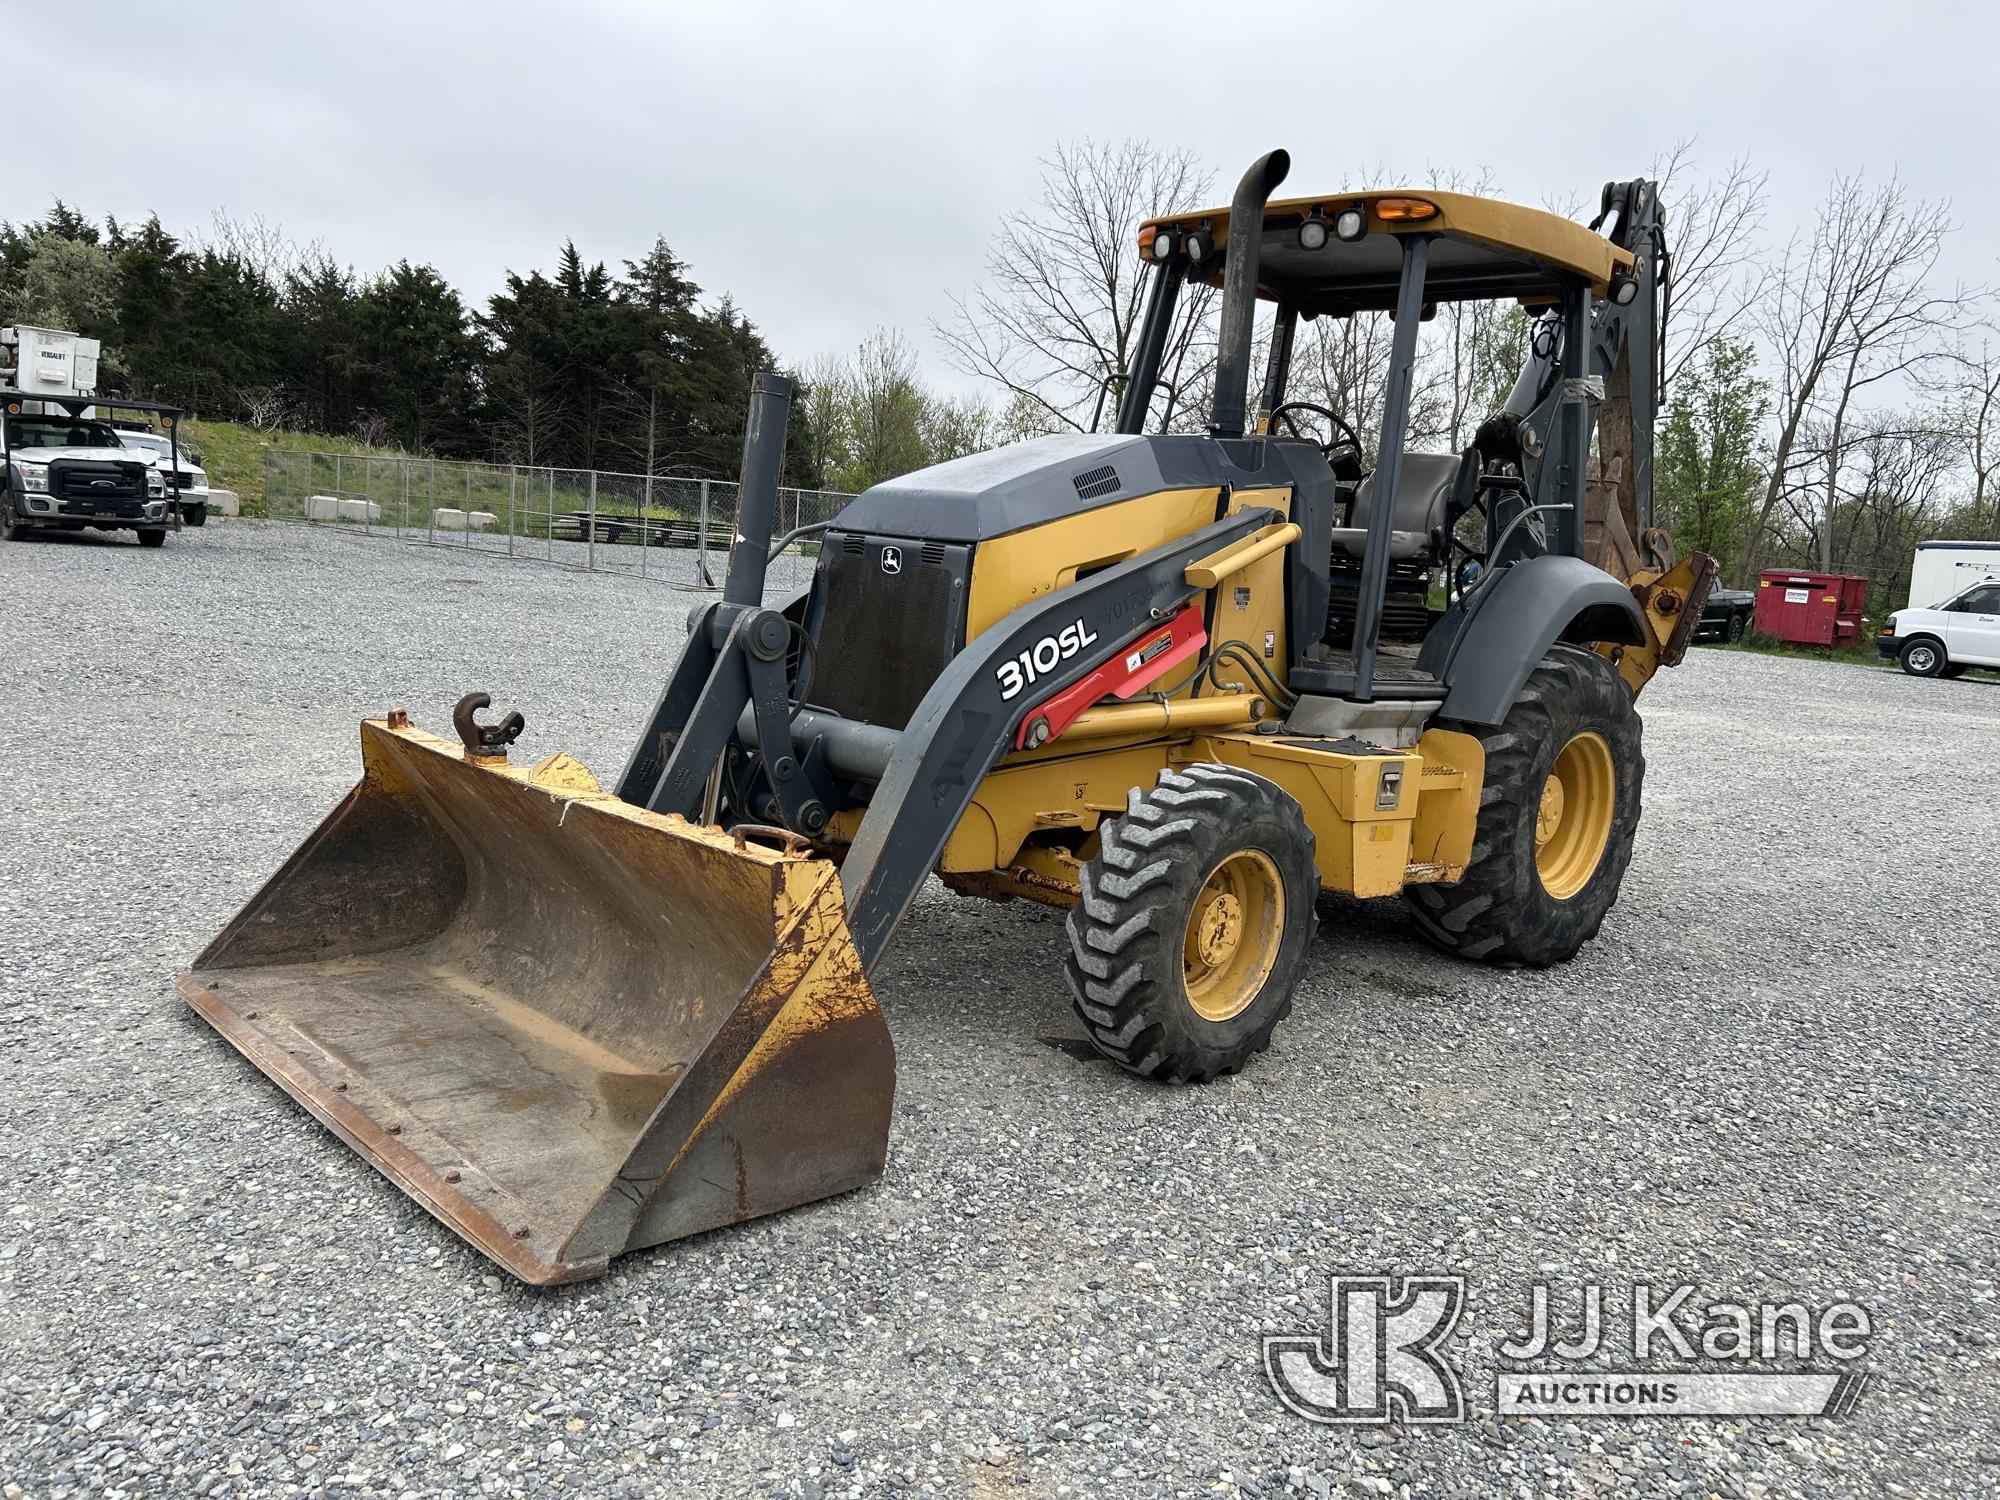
x=566, y=1026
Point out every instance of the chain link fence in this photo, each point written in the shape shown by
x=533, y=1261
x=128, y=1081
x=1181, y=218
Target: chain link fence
x=677, y=531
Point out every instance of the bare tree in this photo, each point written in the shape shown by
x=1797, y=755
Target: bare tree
x=1059, y=311
x=823, y=397
x=268, y=407
x=261, y=247
x=1894, y=484
x=1716, y=275
x=1849, y=307
x=527, y=410
x=1969, y=388
x=1343, y=363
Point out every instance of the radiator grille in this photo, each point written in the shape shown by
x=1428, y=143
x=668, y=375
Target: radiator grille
x=91, y=479
x=883, y=637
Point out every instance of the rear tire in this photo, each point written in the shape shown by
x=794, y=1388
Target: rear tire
x=1558, y=811
x=152, y=539
x=1924, y=657
x=1194, y=923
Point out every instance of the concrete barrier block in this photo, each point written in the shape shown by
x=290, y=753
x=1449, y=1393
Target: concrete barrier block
x=360, y=510
x=448, y=518
x=322, y=508
x=224, y=503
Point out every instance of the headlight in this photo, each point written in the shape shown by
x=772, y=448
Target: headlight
x=34, y=477
x=155, y=485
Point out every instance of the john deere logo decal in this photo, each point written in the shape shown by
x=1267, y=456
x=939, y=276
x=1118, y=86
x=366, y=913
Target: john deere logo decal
x=892, y=559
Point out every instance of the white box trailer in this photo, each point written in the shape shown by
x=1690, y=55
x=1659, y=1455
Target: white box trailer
x=1944, y=570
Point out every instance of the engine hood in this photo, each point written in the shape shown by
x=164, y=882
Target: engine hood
x=90, y=455
x=1028, y=484
x=165, y=465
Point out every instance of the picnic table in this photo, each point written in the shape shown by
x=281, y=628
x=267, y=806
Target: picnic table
x=649, y=531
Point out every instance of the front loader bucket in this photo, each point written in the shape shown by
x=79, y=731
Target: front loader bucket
x=566, y=1026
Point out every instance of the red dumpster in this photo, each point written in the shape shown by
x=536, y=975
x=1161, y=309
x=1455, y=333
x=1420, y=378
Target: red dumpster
x=1811, y=609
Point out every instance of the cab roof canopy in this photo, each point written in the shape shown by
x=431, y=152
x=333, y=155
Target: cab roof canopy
x=16, y=403
x=1481, y=249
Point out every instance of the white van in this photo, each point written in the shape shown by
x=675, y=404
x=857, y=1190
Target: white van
x=1943, y=639
x=1944, y=570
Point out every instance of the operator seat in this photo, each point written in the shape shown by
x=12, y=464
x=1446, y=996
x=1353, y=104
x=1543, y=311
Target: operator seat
x=1423, y=490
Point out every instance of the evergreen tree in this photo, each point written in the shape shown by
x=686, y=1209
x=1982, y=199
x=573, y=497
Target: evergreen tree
x=419, y=358
x=319, y=357
x=149, y=357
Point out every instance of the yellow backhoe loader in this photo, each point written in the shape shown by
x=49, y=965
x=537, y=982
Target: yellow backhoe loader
x=1178, y=683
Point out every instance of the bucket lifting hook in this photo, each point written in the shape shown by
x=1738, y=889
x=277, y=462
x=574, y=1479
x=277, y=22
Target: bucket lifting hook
x=485, y=741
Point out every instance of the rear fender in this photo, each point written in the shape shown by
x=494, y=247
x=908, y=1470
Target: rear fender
x=1485, y=655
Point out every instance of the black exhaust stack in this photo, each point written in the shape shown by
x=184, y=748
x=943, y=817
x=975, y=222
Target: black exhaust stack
x=1239, y=291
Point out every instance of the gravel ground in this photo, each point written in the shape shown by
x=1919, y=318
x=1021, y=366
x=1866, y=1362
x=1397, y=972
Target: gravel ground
x=1771, y=1076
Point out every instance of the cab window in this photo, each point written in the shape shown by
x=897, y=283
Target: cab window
x=32, y=432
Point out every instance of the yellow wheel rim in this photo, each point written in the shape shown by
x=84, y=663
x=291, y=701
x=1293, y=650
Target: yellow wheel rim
x=1232, y=934
x=1573, y=823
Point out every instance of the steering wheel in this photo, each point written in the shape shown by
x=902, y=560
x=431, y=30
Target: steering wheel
x=1333, y=419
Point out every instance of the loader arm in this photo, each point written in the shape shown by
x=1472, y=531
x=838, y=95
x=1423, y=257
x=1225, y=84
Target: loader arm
x=729, y=693
x=969, y=719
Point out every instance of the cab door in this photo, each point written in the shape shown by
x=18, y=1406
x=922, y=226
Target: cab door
x=1972, y=626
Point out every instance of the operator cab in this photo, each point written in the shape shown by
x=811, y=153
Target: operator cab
x=1453, y=518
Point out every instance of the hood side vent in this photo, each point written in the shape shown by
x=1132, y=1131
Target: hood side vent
x=1095, y=482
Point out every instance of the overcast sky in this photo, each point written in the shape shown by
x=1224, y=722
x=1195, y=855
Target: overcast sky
x=840, y=167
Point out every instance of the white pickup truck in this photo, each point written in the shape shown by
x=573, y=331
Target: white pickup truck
x=66, y=473
x=64, y=465
x=187, y=486
x=1945, y=638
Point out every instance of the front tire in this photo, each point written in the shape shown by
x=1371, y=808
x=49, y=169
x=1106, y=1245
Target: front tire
x=1558, y=811
x=155, y=538
x=1192, y=931
x=194, y=515
x=1923, y=657
x=1737, y=625
x=11, y=529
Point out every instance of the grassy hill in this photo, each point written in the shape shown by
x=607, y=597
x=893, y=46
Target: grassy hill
x=233, y=454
